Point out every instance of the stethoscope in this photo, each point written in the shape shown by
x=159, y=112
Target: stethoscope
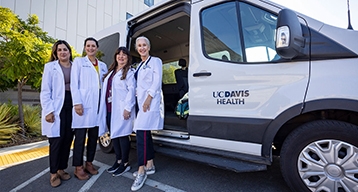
x=145, y=64
x=140, y=66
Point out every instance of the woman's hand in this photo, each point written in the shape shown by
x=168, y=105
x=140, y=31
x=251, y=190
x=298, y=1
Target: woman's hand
x=79, y=109
x=126, y=114
x=146, y=105
x=50, y=118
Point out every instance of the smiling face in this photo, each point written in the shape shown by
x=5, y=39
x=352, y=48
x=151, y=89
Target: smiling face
x=63, y=53
x=122, y=59
x=143, y=47
x=91, y=48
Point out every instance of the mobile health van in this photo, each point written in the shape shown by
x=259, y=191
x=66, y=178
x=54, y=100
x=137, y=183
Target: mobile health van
x=263, y=81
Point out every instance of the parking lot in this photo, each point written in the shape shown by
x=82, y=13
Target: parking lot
x=172, y=175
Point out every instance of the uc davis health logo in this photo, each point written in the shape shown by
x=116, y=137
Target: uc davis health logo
x=231, y=97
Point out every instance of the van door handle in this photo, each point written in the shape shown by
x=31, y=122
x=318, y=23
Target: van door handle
x=202, y=74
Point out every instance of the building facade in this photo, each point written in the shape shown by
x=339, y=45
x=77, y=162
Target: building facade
x=75, y=20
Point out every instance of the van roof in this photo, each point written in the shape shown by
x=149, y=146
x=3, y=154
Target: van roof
x=154, y=10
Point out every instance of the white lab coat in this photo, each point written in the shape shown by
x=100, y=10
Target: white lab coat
x=123, y=98
x=85, y=87
x=52, y=96
x=149, y=81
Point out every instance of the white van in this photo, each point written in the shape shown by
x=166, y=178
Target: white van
x=263, y=81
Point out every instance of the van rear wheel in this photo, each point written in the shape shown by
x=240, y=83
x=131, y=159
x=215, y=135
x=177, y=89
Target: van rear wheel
x=321, y=156
x=105, y=143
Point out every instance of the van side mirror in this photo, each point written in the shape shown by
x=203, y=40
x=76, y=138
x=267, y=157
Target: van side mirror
x=289, y=37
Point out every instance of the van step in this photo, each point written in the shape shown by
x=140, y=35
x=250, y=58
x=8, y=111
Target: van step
x=173, y=134
x=212, y=160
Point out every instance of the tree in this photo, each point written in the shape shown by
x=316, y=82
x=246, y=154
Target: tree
x=24, y=48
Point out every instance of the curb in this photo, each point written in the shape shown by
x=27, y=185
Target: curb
x=15, y=155
x=24, y=147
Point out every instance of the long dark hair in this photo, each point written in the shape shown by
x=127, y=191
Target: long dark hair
x=54, y=50
x=114, y=65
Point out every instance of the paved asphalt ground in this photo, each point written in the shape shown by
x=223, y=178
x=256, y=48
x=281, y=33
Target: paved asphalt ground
x=32, y=174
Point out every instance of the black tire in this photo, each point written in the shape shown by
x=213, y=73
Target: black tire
x=105, y=143
x=321, y=153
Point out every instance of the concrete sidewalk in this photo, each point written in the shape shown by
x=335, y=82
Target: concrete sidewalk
x=10, y=156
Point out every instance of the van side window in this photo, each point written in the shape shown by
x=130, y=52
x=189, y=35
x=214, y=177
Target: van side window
x=220, y=31
x=239, y=32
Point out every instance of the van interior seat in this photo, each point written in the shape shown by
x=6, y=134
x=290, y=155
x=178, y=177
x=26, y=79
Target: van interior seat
x=181, y=77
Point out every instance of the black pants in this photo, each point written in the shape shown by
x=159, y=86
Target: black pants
x=60, y=146
x=79, y=145
x=121, y=145
x=145, y=149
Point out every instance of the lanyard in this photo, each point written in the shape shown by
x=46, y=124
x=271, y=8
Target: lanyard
x=142, y=63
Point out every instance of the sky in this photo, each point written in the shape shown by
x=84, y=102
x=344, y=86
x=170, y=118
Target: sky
x=332, y=12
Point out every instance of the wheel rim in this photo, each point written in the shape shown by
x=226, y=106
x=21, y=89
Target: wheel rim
x=105, y=140
x=329, y=166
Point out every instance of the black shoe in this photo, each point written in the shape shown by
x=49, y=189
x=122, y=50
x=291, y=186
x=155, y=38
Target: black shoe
x=121, y=170
x=114, y=167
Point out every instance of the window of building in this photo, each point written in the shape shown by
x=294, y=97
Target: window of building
x=128, y=15
x=149, y=2
x=239, y=32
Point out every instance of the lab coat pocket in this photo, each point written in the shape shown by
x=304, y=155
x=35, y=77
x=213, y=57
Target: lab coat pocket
x=50, y=129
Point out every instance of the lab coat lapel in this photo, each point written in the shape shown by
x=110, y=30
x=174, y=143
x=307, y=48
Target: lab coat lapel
x=119, y=73
x=88, y=62
x=58, y=68
x=140, y=67
x=105, y=82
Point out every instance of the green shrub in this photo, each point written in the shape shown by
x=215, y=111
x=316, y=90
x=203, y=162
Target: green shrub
x=7, y=127
x=13, y=113
x=32, y=120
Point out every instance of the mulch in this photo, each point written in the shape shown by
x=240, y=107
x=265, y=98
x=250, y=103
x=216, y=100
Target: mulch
x=20, y=140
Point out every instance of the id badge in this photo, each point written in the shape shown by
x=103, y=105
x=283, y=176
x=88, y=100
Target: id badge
x=109, y=99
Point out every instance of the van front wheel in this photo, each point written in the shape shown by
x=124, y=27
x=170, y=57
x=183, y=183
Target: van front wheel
x=321, y=156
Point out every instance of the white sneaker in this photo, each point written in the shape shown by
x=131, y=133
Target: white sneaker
x=139, y=181
x=149, y=171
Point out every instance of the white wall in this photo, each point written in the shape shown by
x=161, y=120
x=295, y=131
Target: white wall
x=75, y=20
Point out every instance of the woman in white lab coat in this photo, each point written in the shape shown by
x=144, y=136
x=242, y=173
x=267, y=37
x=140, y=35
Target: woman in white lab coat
x=56, y=103
x=117, y=108
x=86, y=81
x=150, y=115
